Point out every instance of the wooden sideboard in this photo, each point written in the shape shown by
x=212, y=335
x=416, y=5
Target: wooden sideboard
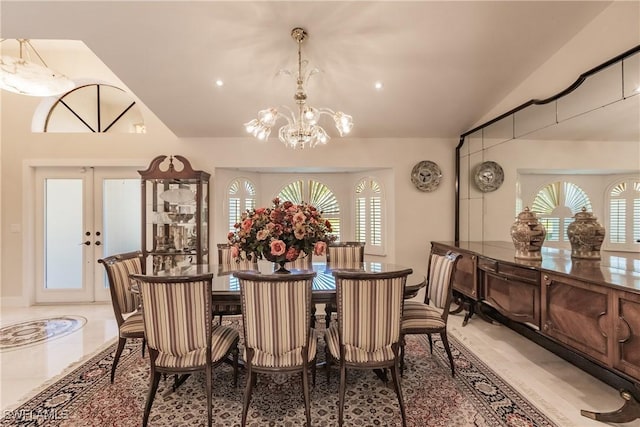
x=586, y=311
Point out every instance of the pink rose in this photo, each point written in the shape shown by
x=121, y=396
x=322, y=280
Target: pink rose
x=292, y=254
x=299, y=233
x=260, y=211
x=235, y=252
x=319, y=248
x=246, y=224
x=262, y=234
x=278, y=247
x=299, y=217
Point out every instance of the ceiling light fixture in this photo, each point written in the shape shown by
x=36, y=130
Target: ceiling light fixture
x=302, y=129
x=25, y=77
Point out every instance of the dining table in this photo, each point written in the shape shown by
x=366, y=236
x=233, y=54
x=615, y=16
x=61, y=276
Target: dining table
x=226, y=287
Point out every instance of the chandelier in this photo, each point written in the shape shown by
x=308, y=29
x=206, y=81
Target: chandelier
x=302, y=128
x=25, y=77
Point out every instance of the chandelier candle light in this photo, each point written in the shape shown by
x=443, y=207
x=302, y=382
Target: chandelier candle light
x=26, y=77
x=302, y=127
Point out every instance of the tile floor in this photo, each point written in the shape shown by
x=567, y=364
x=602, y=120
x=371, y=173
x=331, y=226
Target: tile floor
x=558, y=388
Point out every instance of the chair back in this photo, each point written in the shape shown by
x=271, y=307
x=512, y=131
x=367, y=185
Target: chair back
x=118, y=268
x=177, y=313
x=369, y=310
x=276, y=314
x=227, y=263
x=303, y=262
x=442, y=270
x=345, y=254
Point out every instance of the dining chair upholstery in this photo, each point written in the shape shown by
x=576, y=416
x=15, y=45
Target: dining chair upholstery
x=342, y=255
x=367, y=334
x=303, y=262
x=430, y=317
x=278, y=337
x=181, y=336
x=227, y=265
x=126, y=304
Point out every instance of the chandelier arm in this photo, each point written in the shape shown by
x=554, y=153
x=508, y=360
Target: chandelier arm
x=28, y=43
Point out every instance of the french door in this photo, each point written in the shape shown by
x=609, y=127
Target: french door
x=82, y=215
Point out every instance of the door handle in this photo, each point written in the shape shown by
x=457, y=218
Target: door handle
x=87, y=243
x=98, y=243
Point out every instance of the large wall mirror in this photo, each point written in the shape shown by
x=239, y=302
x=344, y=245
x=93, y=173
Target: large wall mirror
x=579, y=148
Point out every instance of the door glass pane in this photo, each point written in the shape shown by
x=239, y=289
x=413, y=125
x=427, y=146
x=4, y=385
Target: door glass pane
x=63, y=231
x=121, y=216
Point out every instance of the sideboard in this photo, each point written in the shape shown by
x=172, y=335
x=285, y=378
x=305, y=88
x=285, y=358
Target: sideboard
x=586, y=311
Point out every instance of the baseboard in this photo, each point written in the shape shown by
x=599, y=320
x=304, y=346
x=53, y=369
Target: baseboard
x=13, y=302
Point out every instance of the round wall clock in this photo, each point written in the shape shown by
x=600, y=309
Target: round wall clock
x=488, y=176
x=426, y=175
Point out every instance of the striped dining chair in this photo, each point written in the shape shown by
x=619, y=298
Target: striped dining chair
x=430, y=317
x=367, y=334
x=180, y=333
x=227, y=265
x=342, y=255
x=126, y=304
x=278, y=337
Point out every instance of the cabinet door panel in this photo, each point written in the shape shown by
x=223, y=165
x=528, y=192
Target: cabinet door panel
x=578, y=314
x=515, y=299
x=627, y=339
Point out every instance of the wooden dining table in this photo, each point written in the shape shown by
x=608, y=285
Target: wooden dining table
x=226, y=287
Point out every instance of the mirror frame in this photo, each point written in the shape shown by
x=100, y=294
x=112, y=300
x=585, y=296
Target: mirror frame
x=533, y=102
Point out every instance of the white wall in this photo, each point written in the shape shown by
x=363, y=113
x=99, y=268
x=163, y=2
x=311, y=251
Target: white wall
x=417, y=217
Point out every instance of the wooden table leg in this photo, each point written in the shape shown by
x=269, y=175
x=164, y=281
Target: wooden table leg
x=627, y=413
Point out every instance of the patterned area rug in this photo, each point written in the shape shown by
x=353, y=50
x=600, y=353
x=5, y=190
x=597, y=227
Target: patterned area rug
x=35, y=331
x=475, y=397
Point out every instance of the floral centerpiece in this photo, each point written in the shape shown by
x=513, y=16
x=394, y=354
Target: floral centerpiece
x=281, y=233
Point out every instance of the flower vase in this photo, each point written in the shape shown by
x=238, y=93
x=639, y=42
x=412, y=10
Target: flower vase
x=282, y=269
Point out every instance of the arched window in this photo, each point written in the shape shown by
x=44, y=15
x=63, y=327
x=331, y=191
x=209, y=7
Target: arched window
x=555, y=206
x=90, y=107
x=623, y=200
x=317, y=194
x=369, y=214
x=240, y=197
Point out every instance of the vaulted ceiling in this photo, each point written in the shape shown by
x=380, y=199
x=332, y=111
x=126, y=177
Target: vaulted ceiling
x=443, y=64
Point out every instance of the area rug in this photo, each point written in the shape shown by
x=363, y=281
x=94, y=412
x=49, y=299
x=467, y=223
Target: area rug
x=475, y=397
x=33, y=332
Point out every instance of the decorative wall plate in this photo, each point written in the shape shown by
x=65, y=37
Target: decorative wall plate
x=488, y=176
x=426, y=175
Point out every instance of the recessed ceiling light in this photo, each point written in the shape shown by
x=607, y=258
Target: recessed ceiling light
x=219, y=83
x=378, y=85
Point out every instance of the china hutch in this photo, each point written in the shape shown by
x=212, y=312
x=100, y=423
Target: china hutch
x=175, y=214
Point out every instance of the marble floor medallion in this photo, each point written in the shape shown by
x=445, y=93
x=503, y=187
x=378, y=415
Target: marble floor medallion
x=36, y=331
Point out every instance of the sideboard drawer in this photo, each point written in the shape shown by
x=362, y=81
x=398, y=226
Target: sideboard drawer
x=487, y=264
x=520, y=273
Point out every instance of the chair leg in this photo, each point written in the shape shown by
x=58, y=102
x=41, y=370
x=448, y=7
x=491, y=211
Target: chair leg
x=402, y=344
x=247, y=391
x=327, y=366
x=430, y=343
x=341, y=393
x=327, y=318
x=445, y=341
x=396, y=384
x=116, y=358
x=235, y=365
x=313, y=371
x=144, y=344
x=305, y=392
x=153, y=387
x=209, y=373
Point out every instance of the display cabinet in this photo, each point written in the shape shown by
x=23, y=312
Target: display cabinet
x=175, y=214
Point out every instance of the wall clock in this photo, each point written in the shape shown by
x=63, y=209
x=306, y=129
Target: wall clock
x=488, y=176
x=426, y=175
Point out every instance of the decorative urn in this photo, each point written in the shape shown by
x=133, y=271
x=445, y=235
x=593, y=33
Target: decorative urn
x=528, y=236
x=586, y=235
